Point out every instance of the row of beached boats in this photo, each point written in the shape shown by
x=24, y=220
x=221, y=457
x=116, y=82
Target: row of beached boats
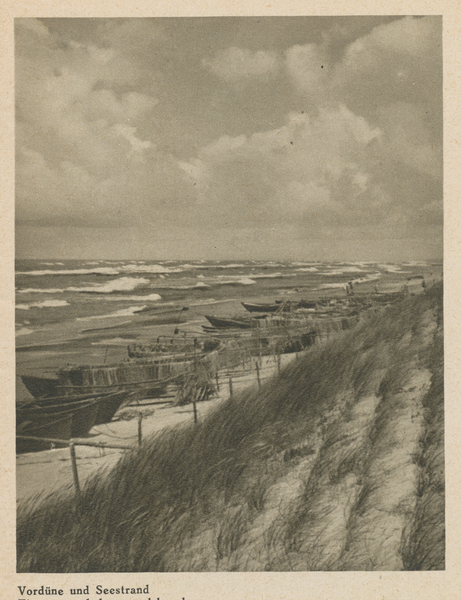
x=79, y=397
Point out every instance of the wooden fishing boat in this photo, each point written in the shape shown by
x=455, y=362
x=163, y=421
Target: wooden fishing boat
x=40, y=386
x=227, y=323
x=278, y=306
x=310, y=305
x=52, y=426
x=146, y=374
x=83, y=414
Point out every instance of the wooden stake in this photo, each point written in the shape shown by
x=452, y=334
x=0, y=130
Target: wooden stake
x=140, y=429
x=217, y=381
x=230, y=387
x=195, y=411
x=257, y=374
x=73, y=459
x=278, y=362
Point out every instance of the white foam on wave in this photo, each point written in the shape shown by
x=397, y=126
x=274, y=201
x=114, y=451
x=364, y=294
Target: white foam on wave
x=118, y=270
x=308, y=269
x=269, y=275
x=238, y=281
x=40, y=291
x=123, y=284
x=96, y=271
x=153, y=269
x=24, y=331
x=333, y=285
x=390, y=268
x=371, y=277
x=350, y=269
x=415, y=263
x=150, y=297
x=199, y=285
x=201, y=265
x=44, y=304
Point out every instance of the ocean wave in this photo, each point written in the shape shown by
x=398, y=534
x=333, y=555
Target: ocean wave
x=371, y=277
x=118, y=270
x=194, y=286
x=126, y=312
x=124, y=284
x=239, y=281
x=343, y=270
x=325, y=286
x=152, y=269
x=217, y=265
x=366, y=279
x=150, y=297
x=97, y=271
x=24, y=331
x=415, y=263
x=44, y=304
x=40, y=291
x=269, y=275
x=390, y=268
x=308, y=269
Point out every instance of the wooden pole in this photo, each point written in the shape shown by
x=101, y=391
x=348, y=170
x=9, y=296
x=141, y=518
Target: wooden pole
x=231, y=391
x=194, y=403
x=140, y=429
x=257, y=374
x=75, y=442
x=73, y=459
x=278, y=362
x=217, y=381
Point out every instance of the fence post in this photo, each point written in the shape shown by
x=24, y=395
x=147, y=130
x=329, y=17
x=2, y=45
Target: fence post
x=217, y=381
x=140, y=429
x=194, y=403
x=73, y=459
x=278, y=362
x=231, y=391
x=257, y=374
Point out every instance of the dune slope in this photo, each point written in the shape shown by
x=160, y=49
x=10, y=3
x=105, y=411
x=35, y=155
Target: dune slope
x=335, y=464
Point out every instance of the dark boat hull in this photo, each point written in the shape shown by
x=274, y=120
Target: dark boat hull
x=40, y=386
x=83, y=415
x=48, y=426
x=227, y=323
x=271, y=308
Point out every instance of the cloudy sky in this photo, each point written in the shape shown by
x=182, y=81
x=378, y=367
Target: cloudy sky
x=304, y=138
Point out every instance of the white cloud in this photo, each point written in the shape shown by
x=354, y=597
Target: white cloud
x=312, y=167
x=235, y=64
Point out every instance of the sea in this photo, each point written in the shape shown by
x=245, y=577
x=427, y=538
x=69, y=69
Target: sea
x=85, y=312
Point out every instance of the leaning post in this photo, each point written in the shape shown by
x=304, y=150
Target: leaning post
x=73, y=459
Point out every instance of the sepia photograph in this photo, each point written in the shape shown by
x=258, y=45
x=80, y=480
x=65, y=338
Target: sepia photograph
x=229, y=338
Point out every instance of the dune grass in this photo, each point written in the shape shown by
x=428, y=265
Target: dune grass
x=286, y=477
